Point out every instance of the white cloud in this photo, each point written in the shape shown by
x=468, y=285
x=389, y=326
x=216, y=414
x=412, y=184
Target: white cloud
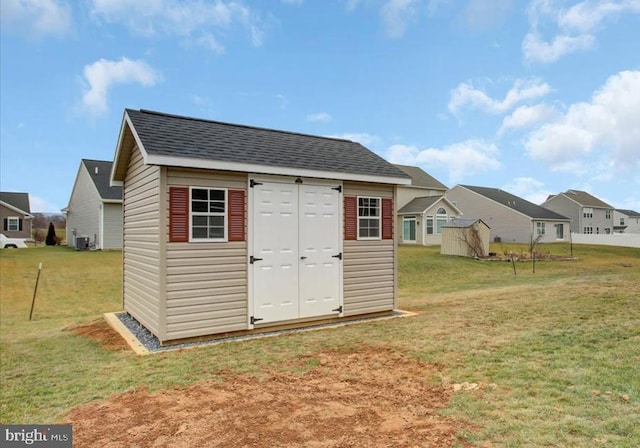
x=39, y=205
x=484, y=14
x=103, y=74
x=522, y=90
x=36, y=18
x=395, y=15
x=462, y=160
x=528, y=188
x=321, y=117
x=526, y=116
x=537, y=50
x=573, y=29
x=604, y=128
x=182, y=18
x=209, y=42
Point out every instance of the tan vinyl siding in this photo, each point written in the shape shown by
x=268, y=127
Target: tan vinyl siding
x=112, y=222
x=5, y=213
x=369, y=265
x=141, y=253
x=206, y=282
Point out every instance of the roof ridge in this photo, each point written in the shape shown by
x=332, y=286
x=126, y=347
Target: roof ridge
x=96, y=160
x=259, y=128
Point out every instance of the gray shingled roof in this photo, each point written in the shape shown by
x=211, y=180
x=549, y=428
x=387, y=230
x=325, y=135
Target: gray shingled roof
x=171, y=135
x=17, y=200
x=517, y=203
x=101, y=179
x=462, y=223
x=419, y=205
x=585, y=199
x=629, y=212
x=419, y=178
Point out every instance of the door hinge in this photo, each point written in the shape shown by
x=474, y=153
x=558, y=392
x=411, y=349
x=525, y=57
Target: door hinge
x=338, y=310
x=253, y=259
x=339, y=256
x=256, y=319
x=253, y=183
x=338, y=188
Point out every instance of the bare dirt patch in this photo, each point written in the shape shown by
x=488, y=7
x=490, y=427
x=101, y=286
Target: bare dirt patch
x=101, y=332
x=372, y=398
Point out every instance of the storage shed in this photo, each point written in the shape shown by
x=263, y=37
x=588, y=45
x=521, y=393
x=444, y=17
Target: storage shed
x=232, y=228
x=466, y=237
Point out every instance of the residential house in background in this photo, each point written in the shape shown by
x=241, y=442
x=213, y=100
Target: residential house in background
x=422, y=208
x=511, y=218
x=422, y=185
x=421, y=220
x=588, y=214
x=94, y=213
x=626, y=221
x=15, y=214
x=234, y=228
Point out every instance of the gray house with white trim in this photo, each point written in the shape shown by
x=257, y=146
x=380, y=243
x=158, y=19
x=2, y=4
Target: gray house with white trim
x=15, y=214
x=511, y=218
x=94, y=213
x=588, y=214
x=626, y=221
x=231, y=228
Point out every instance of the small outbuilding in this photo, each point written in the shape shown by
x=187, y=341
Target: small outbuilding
x=232, y=229
x=465, y=237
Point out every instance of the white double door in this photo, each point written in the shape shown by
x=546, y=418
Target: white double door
x=296, y=248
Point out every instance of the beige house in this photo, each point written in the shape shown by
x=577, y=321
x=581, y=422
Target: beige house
x=231, y=228
x=465, y=237
x=422, y=208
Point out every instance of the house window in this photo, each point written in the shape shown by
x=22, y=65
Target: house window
x=598, y=230
x=208, y=214
x=587, y=212
x=540, y=228
x=441, y=219
x=607, y=231
x=13, y=224
x=621, y=221
x=368, y=218
x=409, y=230
x=560, y=231
x=607, y=214
x=429, y=225
x=587, y=230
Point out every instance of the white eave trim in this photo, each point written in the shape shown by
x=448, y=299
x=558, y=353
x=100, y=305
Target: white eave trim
x=16, y=209
x=186, y=162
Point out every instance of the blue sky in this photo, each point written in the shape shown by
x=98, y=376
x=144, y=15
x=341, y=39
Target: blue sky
x=534, y=97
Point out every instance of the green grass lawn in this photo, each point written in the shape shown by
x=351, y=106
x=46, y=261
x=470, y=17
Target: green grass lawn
x=561, y=346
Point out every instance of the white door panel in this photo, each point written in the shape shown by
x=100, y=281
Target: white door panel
x=319, y=243
x=275, y=232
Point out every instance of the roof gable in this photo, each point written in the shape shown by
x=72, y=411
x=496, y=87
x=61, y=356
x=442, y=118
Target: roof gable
x=463, y=223
x=100, y=172
x=629, y=213
x=422, y=204
x=516, y=203
x=585, y=199
x=420, y=178
x=174, y=140
x=17, y=200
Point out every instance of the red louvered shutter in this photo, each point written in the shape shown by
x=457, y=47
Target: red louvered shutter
x=179, y=214
x=387, y=218
x=350, y=218
x=236, y=215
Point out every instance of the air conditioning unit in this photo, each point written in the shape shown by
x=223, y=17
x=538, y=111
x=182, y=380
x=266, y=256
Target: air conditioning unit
x=82, y=243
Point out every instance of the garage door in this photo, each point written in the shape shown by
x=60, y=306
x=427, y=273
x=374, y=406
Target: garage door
x=296, y=242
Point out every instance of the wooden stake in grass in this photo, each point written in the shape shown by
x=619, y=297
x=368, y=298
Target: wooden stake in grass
x=35, y=289
x=514, y=264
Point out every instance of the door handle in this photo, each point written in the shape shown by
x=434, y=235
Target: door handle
x=303, y=258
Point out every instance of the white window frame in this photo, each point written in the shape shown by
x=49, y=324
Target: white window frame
x=587, y=230
x=607, y=214
x=415, y=229
x=16, y=221
x=379, y=217
x=429, y=220
x=541, y=228
x=558, y=227
x=224, y=215
x=439, y=218
x=587, y=212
